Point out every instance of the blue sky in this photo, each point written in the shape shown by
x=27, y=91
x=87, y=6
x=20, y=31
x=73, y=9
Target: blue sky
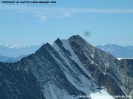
x=107, y=21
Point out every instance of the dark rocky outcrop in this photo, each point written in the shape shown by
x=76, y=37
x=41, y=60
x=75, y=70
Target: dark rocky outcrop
x=17, y=82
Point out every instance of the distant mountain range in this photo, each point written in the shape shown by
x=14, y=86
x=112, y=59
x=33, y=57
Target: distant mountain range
x=118, y=51
x=10, y=59
x=16, y=50
x=13, y=53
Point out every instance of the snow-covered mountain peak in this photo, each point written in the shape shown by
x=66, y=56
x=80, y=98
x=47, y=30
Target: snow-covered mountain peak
x=65, y=69
x=76, y=74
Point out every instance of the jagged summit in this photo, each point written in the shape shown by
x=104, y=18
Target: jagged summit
x=64, y=69
x=58, y=41
x=76, y=38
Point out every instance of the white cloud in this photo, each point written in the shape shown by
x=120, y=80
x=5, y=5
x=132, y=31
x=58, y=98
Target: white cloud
x=55, y=12
x=43, y=18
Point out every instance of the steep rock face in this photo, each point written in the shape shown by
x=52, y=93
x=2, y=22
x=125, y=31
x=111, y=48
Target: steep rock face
x=125, y=69
x=65, y=69
x=17, y=82
x=100, y=64
x=49, y=73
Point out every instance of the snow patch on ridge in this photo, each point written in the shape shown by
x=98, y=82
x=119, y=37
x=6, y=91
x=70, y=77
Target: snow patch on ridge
x=90, y=90
x=74, y=57
x=101, y=95
x=53, y=92
x=55, y=46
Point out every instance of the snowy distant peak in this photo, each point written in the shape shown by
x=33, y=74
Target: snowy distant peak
x=114, y=46
x=10, y=50
x=14, y=46
x=11, y=46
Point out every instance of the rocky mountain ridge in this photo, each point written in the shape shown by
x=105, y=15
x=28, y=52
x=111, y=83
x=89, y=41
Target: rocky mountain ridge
x=65, y=69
